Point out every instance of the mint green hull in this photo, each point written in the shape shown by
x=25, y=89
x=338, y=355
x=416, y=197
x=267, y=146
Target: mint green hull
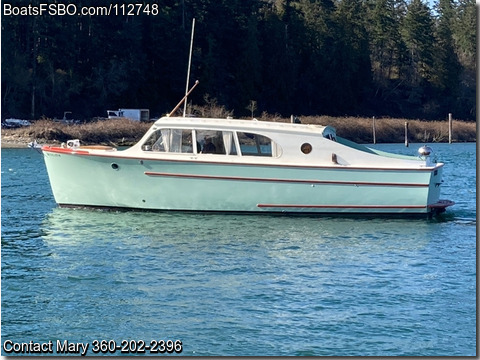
x=89, y=180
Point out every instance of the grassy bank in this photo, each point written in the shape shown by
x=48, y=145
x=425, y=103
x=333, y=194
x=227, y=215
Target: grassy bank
x=107, y=132
x=393, y=130
x=125, y=132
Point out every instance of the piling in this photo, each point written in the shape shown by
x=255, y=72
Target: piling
x=449, y=128
x=374, y=132
x=406, y=134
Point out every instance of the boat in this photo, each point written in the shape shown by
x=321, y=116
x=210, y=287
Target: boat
x=245, y=166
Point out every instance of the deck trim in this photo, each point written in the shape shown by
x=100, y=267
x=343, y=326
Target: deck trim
x=199, y=160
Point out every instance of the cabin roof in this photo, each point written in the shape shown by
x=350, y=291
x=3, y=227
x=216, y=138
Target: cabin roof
x=239, y=124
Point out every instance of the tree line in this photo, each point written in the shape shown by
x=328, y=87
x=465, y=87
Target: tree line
x=392, y=58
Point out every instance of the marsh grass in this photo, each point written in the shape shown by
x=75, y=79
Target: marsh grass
x=120, y=132
x=116, y=132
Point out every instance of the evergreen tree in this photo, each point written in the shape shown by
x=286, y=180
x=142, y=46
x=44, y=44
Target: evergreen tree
x=418, y=36
x=248, y=73
x=388, y=55
x=465, y=39
x=16, y=60
x=334, y=57
x=278, y=69
x=387, y=47
x=464, y=32
x=447, y=67
x=353, y=66
x=317, y=58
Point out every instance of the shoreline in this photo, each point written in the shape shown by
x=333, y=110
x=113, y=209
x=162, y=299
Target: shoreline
x=14, y=144
x=124, y=132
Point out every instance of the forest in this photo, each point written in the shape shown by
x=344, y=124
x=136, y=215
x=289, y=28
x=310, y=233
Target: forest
x=384, y=58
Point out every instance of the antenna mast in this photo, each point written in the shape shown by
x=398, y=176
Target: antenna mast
x=188, y=71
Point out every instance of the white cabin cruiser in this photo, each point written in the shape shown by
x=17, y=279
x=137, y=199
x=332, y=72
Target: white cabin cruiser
x=229, y=165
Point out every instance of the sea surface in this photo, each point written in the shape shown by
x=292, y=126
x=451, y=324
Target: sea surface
x=237, y=284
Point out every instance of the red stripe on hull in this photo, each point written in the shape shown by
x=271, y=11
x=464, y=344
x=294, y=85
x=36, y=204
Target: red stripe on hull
x=296, y=181
x=299, y=206
x=64, y=150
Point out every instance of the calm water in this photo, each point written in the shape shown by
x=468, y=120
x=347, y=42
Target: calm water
x=240, y=285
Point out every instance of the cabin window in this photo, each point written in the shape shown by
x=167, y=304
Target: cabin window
x=257, y=145
x=215, y=142
x=210, y=142
x=170, y=140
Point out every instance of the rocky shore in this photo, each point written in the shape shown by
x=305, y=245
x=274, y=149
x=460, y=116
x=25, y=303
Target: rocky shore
x=14, y=142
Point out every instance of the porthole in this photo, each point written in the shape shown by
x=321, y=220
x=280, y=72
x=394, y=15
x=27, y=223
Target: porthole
x=115, y=166
x=306, y=148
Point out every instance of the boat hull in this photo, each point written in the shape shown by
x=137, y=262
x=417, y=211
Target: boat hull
x=79, y=178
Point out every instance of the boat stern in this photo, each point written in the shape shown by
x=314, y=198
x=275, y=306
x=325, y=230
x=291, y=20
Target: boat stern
x=435, y=205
